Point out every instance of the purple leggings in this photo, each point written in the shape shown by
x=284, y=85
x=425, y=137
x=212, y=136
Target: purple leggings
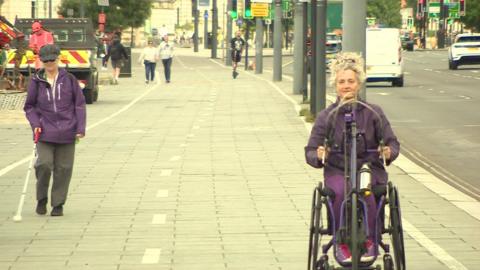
x=336, y=183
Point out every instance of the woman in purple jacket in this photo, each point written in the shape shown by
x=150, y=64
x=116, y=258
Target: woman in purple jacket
x=347, y=76
x=55, y=108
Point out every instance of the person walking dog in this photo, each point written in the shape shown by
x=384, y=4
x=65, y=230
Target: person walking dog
x=55, y=108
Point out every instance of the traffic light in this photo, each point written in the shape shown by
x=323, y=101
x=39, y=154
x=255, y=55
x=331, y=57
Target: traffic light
x=247, y=6
x=462, y=8
x=233, y=12
x=420, y=8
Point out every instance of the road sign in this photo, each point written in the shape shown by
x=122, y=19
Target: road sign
x=371, y=21
x=268, y=21
x=205, y=15
x=204, y=3
x=433, y=9
x=262, y=1
x=103, y=3
x=454, y=10
x=259, y=9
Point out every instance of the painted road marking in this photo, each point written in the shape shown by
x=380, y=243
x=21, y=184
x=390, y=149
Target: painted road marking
x=190, y=135
x=151, y=256
x=431, y=246
x=12, y=166
x=183, y=145
x=162, y=193
x=159, y=219
x=175, y=158
x=166, y=172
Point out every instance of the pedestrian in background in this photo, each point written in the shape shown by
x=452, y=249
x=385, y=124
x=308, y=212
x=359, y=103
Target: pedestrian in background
x=55, y=108
x=166, y=53
x=39, y=38
x=236, y=45
x=149, y=56
x=118, y=54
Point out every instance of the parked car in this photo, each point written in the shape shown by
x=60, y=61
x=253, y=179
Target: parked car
x=464, y=51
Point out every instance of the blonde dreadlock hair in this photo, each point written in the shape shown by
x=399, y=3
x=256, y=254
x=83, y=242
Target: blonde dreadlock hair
x=347, y=61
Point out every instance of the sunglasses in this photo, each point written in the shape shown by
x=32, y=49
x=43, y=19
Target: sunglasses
x=48, y=61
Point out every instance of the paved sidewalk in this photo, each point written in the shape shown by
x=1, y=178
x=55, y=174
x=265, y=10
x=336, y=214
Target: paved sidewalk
x=204, y=173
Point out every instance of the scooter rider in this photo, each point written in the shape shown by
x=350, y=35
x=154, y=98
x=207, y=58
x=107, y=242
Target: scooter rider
x=347, y=75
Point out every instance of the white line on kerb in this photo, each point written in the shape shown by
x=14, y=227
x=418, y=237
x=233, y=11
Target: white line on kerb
x=151, y=256
x=423, y=240
x=12, y=166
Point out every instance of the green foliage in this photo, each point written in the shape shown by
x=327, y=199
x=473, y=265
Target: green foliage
x=472, y=18
x=120, y=14
x=387, y=12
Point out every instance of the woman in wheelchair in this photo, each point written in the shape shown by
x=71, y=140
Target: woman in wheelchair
x=375, y=140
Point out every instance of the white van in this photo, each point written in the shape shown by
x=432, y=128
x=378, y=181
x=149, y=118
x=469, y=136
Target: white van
x=384, y=56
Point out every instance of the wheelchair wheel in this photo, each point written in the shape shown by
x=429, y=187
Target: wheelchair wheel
x=316, y=225
x=396, y=229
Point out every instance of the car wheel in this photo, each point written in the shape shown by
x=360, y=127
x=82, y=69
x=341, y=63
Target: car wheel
x=89, y=96
x=452, y=65
x=398, y=82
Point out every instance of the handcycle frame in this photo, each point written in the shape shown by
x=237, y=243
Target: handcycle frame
x=356, y=213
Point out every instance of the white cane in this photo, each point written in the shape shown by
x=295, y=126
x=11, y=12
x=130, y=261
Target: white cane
x=18, y=215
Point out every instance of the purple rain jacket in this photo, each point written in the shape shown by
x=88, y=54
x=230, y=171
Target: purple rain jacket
x=369, y=129
x=61, y=116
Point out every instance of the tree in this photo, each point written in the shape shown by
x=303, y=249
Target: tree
x=471, y=18
x=386, y=12
x=121, y=14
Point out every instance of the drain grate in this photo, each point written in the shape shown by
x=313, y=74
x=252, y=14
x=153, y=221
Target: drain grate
x=13, y=101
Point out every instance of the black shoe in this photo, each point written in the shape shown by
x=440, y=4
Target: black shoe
x=57, y=211
x=235, y=74
x=42, y=206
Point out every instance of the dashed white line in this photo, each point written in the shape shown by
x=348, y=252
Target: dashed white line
x=165, y=172
x=162, y=193
x=159, y=219
x=151, y=256
x=175, y=158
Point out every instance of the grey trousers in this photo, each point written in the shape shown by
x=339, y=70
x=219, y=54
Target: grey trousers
x=56, y=158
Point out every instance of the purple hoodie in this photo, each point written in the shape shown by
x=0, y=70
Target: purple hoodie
x=369, y=129
x=60, y=118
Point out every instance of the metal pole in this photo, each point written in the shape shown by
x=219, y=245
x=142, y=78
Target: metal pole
x=195, y=34
x=259, y=46
x=314, y=58
x=33, y=9
x=286, y=34
x=50, y=9
x=214, y=28
x=247, y=36
x=354, y=30
x=205, y=30
x=178, y=16
x=277, y=42
x=228, y=59
x=441, y=27
x=305, y=56
x=223, y=29
x=268, y=35
x=321, y=61
x=82, y=9
x=298, y=52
